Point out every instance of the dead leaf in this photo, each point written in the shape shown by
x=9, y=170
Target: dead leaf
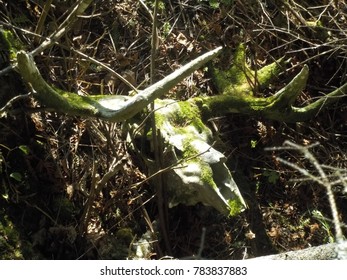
x=250, y=235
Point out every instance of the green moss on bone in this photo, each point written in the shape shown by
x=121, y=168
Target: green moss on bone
x=266, y=74
x=186, y=116
x=235, y=75
x=79, y=102
x=241, y=79
x=189, y=150
x=189, y=111
x=236, y=206
x=238, y=103
x=239, y=71
x=207, y=176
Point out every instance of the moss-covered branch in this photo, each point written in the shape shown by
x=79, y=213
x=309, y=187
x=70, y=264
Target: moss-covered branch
x=240, y=79
x=277, y=107
x=237, y=86
x=111, y=107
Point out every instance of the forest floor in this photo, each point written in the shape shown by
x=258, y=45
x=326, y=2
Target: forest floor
x=49, y=161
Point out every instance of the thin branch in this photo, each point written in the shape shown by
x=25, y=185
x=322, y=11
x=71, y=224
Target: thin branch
x=322, y=180
x=96, y=187
x=160, y=184
x=4, y=110
x=78, y=9
x=120, y=77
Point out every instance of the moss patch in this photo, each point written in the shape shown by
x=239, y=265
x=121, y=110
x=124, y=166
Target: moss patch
x=241, y=79
x=9, y=44
x=236, y=206
x=10, y=241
